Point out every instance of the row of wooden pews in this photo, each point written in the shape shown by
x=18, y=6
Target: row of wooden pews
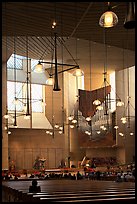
x=67, y=191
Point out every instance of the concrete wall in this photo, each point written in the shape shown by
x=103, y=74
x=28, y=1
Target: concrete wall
x=125, y=86
x=25, y=145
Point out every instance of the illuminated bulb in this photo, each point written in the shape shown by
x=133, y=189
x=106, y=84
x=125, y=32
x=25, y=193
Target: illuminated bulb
x=50, y=81
x=6, y=116
x=108, y=19
x=102, y=126
x=78, y=72
x=54, y=23
x=116, y=127
x=121, y=134
x=56, y=126
x=124, y=121
x=98, y=132
x=51, y=133
x=99, y=107
x=9, y=132
x=120, y=103
x=5, y=128
x=88, y=118
x=86, y=132
x=74, y=121
x=61, y=128
x=47, y=132
x=89, y=133
x=131, y=133
x=96, y=102
x=39, y=68
x=71, y=126
x=60, y=132
x=123, y=118
x=70, y=117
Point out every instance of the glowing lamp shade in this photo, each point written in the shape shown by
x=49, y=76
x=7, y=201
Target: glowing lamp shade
x=6, y=116
x=96, y=102
x=50, y=81
x=108, y=19
x=78, y=72
x=120, y=103
x=39, y=68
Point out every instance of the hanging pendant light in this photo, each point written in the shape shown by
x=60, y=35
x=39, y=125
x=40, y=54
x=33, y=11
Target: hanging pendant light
x=129, y=22
x=39, y=68
x=108, y=19
x=78, y=72
x=50, y=81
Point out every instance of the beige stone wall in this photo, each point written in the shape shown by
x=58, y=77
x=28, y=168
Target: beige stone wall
x=26, y=144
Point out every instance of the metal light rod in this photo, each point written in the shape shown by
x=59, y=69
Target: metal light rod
x=58, y=63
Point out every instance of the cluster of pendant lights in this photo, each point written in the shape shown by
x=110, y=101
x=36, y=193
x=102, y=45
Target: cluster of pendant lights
x=107, y=20
x=50, y=81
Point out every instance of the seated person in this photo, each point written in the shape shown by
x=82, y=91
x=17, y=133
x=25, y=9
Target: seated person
x=34, y=188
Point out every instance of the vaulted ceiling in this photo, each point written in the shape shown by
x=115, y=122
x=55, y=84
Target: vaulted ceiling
x=78, y=27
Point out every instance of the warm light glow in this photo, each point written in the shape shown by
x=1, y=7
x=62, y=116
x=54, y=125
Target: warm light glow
x=60, y=132
x=61, y=128
x=131, y=133
x=74, y=121
x=96, y=102
x=123, y=118
x=38, y=68
x=116, y=127
x=102, y=127
x=98, y=132
x=88, y=118
x=99, y=107
x=9, y=132
x=78, y=72
x=124, y=121
x=50, y=81
x=5, y=128
x=108, y=19
x=56, y=126
x=6, y=116
x=120, y=103
x=71, y=126
x=121, y=134
x=70, y=117
x=47, y=132
x=54, y=23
